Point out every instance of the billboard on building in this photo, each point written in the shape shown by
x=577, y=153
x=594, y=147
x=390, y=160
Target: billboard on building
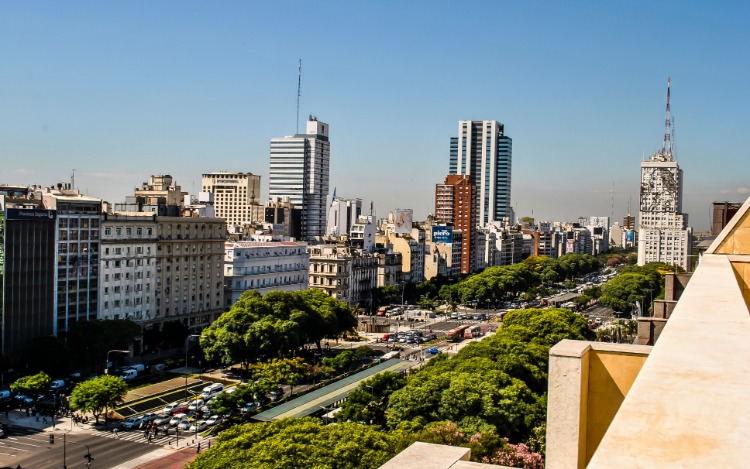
x=442, y=234
x=569, y=246
x=402, y=221
x=30, y=214
x=630, y=236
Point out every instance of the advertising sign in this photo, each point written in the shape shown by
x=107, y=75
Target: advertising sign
x=30, y=214
x=402, y=221
x=442, y=234
x=630, y=236
x=569, y=246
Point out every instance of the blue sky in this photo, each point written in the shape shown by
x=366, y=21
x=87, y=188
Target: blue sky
x=122, y=90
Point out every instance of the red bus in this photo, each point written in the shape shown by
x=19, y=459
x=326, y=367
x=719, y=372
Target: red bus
x=457, y=334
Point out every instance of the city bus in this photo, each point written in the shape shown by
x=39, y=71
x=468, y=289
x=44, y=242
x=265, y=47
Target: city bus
x=456, y=334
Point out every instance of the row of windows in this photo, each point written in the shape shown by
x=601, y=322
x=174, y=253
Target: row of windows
x=128, y=231
x=267, y=282
x=137, y=249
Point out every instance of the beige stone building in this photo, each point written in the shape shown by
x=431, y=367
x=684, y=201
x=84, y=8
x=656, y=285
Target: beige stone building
x=190, y=269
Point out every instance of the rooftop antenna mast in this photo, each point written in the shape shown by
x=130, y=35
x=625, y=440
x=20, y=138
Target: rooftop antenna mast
x=666, y=148
x=73, y=180
x=299, y=90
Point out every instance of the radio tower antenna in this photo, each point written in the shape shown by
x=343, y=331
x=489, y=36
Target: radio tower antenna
x=666, y=148
x=299, y=90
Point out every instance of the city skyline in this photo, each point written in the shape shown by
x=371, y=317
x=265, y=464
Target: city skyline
x=120, y=92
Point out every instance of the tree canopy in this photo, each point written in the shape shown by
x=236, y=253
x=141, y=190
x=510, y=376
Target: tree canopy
x=498, y=383
x=32, y=385
x=264, y=327
x=301, y=442
x=98, y=395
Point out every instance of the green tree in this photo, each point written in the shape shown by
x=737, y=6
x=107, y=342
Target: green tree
x=98, y=395
x=283, y=370
x=33, y=385
x=624, y=290
x=368, y=403
x=301, y=442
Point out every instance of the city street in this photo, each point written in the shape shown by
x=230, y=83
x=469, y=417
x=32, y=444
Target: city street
x=30, y=448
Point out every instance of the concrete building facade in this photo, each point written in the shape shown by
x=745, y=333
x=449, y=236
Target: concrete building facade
x=299, y=170
x=236, y=197
x=264, y=266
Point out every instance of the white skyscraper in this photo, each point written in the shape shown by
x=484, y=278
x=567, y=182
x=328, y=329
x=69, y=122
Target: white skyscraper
x=483, y=152
x=663, y=234
x=299, y=169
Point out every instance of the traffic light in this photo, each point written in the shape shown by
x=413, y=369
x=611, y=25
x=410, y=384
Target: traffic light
x=52, y=439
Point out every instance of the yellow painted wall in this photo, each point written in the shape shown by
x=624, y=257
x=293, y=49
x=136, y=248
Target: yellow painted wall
x=611, y=374
x=738, y=241
x=742, y=273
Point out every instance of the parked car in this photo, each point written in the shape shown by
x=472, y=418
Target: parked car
x=132, y=423
x=24, y=399
x=248, y=407
x=276, y=394
x=198, y=426
x=213, y=420
x=57, y=384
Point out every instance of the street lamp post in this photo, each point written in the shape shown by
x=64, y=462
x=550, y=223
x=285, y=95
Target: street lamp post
x=186, y=362
x=106, y=364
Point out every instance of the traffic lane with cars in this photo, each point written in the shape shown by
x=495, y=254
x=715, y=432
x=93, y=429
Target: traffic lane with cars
x=156, y=403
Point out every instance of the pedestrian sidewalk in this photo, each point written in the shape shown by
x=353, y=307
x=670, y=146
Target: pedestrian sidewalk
x=45, y=423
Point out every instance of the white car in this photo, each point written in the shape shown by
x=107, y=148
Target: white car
x=185, y=424
x=176, y=418
x=169, y=408
x=198, y=426
x=213, y=420
x=196, y=404
x=132, y=422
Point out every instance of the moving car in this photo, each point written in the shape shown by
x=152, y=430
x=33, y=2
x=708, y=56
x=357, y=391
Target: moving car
x=213, y=420
x=132, y=423
x=198, y=426
x=176, y=418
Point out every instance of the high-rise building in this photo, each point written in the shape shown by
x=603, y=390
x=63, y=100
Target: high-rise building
x=299, y=170
x=236, y=197
x=483, y=152
x=663, y=234
x=27, y=240
x=454, y=200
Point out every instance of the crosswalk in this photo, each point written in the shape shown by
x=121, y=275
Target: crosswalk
x=137, y=436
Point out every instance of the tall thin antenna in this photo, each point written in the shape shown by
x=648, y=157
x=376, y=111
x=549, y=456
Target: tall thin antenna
x=299, y=91
x=666, y=148
x=73, y=180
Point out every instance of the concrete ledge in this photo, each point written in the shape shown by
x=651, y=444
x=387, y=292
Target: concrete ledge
x=428, y=456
